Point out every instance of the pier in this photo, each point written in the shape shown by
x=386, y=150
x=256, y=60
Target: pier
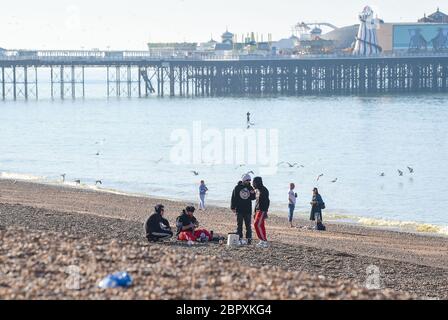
x=140, y=74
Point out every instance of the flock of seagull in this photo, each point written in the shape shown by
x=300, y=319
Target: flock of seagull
x=284, y=163
x=400, y=172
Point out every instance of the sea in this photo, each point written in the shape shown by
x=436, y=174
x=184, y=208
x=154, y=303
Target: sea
x=352, y=148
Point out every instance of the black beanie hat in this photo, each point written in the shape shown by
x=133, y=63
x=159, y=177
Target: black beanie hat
x=158, y=208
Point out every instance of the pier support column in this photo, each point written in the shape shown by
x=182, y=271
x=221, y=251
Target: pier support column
x=62, y=82
x=3, y=84
x=172, y=80
x=14, y=82
x=36, y=82
x=72, y=80
x=25, y=81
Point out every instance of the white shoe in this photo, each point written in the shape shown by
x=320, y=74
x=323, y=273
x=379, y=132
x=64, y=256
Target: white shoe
x=263, y=244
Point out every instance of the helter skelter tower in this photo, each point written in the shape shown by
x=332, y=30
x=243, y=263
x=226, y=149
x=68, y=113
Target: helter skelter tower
x=367, y=41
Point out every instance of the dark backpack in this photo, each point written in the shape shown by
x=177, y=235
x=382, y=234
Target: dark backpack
x=320, y=227
x=322, y=205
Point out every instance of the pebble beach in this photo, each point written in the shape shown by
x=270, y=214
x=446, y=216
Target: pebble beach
x=48, y=231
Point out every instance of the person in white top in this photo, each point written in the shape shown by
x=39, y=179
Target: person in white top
x=292, y=199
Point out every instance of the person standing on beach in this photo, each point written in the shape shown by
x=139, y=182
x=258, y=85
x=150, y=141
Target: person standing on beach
x=157, y=227
x=202, y=193
x=317, y=205
x=241, y=204
x=292, y=199
x=261, y=211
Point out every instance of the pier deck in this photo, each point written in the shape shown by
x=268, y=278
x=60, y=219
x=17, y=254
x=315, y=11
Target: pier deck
x=130, y=73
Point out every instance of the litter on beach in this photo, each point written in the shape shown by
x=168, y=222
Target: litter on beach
x=116, y=280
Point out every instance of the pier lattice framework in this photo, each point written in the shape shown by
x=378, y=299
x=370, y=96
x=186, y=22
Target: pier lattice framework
x=143, y=77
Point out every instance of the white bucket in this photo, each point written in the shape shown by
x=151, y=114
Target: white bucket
x=233, y=240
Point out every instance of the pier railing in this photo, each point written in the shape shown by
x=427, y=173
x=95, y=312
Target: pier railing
x=106, y=56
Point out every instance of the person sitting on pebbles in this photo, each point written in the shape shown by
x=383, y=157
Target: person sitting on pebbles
x=157, y=227
x=188, y=227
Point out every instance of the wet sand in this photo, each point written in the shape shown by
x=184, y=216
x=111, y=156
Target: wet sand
x=412, y=263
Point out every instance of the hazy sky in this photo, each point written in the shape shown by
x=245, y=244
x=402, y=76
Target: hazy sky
x=129, y=24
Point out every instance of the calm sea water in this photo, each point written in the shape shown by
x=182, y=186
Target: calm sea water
x=353, y=139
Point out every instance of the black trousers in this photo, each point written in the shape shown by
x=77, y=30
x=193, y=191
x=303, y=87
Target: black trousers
x=246, y=219
x=159, y=235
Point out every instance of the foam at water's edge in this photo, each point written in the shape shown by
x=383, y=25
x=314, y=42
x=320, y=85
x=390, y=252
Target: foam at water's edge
x=412, y=226
x=409, y=226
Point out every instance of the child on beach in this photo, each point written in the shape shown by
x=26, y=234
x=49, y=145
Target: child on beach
x=202, y=193
x=261, y=211
x=292, y=199
x=188, y=228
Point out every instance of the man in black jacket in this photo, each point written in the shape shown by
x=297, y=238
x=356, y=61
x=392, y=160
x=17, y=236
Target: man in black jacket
x=241, y=205
x=261, y=211
x=157, y=227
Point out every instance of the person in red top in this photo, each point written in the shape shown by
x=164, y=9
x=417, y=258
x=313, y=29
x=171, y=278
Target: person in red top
x=188, y=227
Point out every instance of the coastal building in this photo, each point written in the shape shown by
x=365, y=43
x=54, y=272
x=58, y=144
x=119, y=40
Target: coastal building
x=227, y=37
x=172, y=49
x=427, y=34
x=208, y=46
x=286, y=46
x=436, y=17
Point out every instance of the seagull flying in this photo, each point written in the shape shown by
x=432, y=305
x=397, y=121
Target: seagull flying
x=400, y=173
x=411, y=170
x=382, y=174
x=195, y=172
x=291, y=165
x=335, y=180
x=98, y=182
x=320, y=176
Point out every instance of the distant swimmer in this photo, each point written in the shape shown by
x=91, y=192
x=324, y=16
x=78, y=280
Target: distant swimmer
x=400, y=173
x=63, y=177
x=320, y=176
x=411, y=170
x=98, y=182
x=195, y=172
